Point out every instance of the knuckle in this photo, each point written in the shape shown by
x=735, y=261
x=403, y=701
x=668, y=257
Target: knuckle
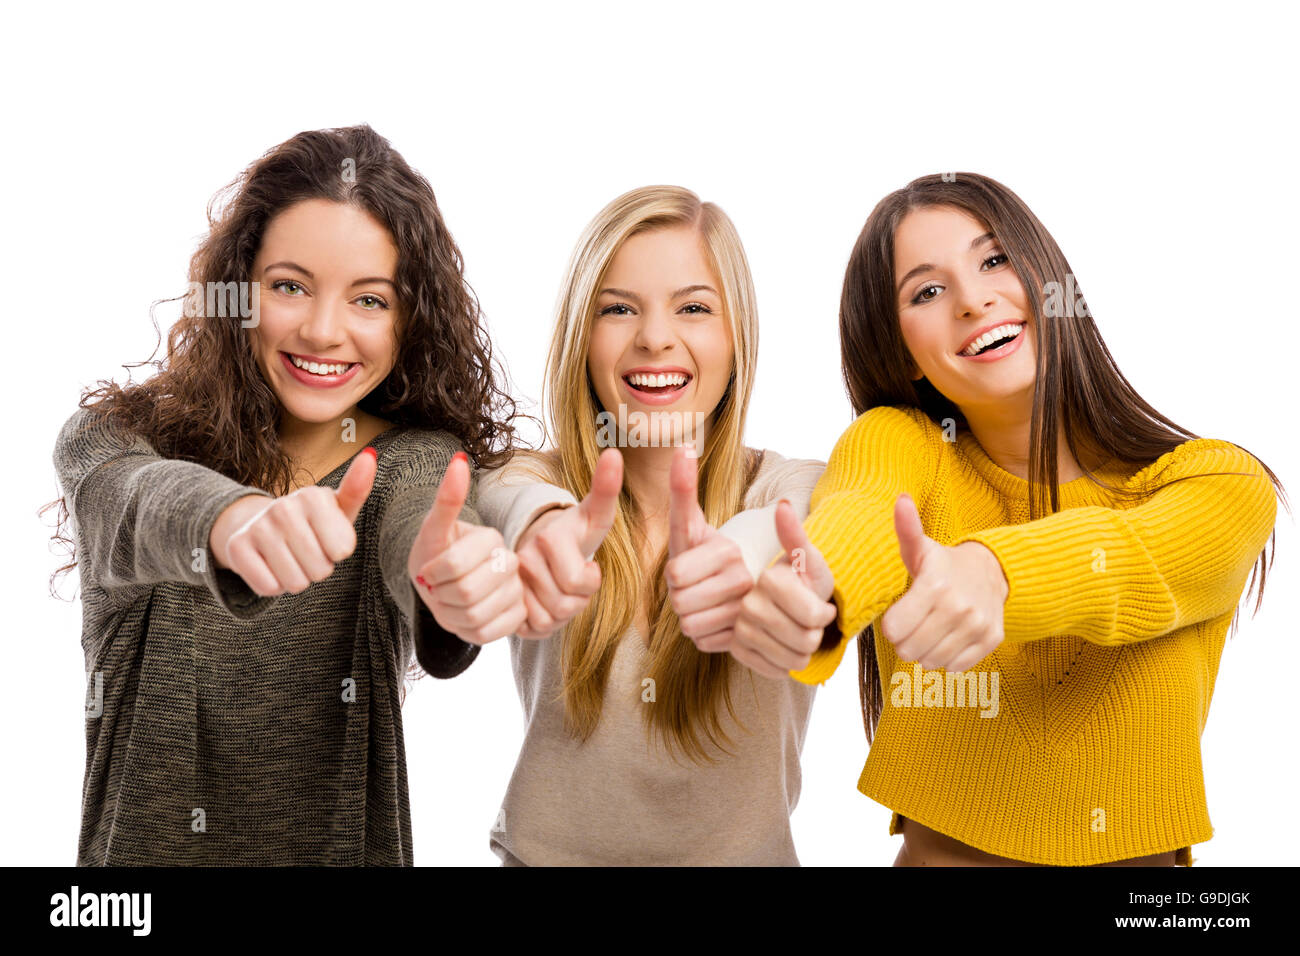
x=527, y=558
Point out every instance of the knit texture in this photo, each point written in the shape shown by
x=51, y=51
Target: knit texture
x=1114, y=623
x=236, y=729
x=619, y=798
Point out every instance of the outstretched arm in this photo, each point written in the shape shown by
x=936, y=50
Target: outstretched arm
x=416, y=488
x=143, y=519
x=885, y=452
x=1119, y=575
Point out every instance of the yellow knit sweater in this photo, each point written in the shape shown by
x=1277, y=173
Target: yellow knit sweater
x=1078, y=740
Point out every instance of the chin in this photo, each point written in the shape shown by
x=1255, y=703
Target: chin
x=316, y=412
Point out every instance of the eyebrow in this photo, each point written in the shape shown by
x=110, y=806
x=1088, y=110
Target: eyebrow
x=926, y=266
x=684, y=290
x=307, y=273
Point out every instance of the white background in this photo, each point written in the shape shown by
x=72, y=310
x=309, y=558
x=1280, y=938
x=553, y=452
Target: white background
x=1155, y=142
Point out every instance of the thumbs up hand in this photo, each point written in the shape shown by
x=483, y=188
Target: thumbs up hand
x=706, y=572
x=555, y=552
x=287, y=544
x=464, y=573
x=782, y=620
x=951, y=616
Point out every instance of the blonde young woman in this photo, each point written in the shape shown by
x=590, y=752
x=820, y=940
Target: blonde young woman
x=640, y=749
x=1040, y=568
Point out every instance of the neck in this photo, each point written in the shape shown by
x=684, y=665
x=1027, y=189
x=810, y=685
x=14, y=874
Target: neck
x=317, y=446
x=646, y=473
x=1003, y=433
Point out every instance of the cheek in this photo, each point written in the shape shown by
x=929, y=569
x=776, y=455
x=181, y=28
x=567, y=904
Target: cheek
x=378, y=346
x=275, y=327
x=920, y=342
x=602, y=354
x=714, y=352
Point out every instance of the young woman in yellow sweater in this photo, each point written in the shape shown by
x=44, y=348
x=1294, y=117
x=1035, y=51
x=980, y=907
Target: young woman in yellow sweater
x=1045, y=567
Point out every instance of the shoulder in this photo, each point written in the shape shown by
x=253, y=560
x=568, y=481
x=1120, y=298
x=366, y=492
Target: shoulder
x=780, y=477
x=901, y=429
x=89, y=434
x=1199, y=457
x=413, y=455
x=902, y=422
x=526, y=467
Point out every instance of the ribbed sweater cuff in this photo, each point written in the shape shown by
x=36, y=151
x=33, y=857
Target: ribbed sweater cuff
x=1065, y=575
x=854, y=533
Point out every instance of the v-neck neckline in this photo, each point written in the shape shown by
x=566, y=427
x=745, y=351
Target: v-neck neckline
x=383, y=437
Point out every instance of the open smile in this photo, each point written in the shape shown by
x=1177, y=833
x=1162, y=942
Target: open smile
x=318, y=372
x=995, y=343
x=657, y=386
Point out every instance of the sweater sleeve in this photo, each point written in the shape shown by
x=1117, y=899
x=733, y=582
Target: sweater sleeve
x=142, y=519
x=440, y=652
x=885, y=452
x=1119, y=575
x=513, y=496
x=754, y=529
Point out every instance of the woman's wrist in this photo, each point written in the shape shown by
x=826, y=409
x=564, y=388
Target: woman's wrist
x=996, y=578
x=233, y=517
x=538, y=523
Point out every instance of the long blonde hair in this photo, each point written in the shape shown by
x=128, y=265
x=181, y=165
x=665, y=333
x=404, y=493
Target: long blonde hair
x=689, y=685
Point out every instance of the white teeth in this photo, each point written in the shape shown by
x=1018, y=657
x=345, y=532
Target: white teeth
x=660, y=380
x=320, y=368
x=991, y=336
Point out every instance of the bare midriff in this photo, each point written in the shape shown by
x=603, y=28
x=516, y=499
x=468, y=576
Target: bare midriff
x=925, y=847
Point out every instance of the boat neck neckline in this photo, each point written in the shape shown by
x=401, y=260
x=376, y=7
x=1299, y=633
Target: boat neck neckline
x=991, y=469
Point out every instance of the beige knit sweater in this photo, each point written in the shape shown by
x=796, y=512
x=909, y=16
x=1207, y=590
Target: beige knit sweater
x=620, y=798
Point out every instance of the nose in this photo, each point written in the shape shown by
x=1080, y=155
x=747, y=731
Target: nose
x=972, y=298
x=654, y=332
x=325, y=325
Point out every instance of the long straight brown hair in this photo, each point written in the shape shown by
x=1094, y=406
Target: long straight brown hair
x=1077, y=380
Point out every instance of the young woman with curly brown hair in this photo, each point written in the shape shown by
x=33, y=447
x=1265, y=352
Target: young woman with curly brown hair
x=249, y=581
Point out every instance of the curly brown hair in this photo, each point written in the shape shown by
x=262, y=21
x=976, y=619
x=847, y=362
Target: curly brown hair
x=444, y=376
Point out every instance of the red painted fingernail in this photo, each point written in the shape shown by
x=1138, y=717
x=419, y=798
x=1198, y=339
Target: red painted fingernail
x=373, y=454
x=461, y=455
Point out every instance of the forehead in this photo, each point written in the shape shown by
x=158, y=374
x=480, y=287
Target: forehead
x=934, y=232
x=661, y=260
x=320, y=234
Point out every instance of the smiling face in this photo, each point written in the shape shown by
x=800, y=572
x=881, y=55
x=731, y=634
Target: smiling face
x=957, y=292
x=327, y=326
x=661, y=341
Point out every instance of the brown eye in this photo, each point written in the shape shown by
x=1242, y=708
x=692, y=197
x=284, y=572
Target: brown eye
x=921, y=294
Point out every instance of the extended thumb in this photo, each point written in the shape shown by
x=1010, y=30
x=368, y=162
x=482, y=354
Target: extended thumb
x=357, y=482
x=912, y=541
